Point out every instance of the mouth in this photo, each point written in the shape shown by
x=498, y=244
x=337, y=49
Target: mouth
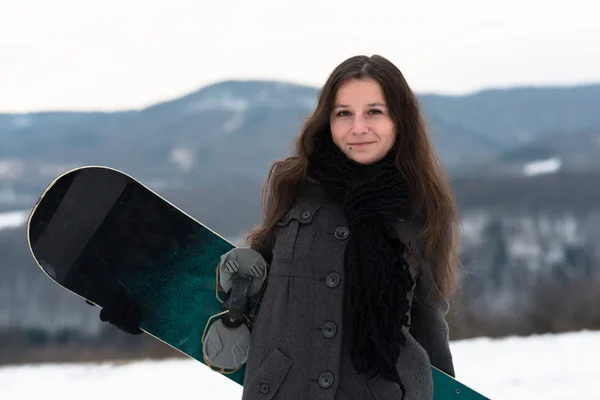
x=360, y=143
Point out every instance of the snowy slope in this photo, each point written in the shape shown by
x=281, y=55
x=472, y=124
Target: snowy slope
x=549, y=367
x=549, y=166
x=13, y=219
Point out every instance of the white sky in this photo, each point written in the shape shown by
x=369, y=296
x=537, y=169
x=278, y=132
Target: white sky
x=115, y=54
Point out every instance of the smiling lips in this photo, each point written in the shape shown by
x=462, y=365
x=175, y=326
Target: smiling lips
x=360, y=144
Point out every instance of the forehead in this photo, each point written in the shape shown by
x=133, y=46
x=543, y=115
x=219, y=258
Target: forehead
x=360, y=91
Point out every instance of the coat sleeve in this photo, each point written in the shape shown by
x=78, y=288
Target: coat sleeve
x=428, y=321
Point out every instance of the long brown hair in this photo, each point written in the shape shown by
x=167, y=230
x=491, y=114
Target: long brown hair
x=415, y=159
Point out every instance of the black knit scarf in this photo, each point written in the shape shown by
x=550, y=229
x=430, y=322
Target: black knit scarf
x=377, y=272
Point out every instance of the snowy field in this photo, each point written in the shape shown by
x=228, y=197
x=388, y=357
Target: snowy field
x=549, y=367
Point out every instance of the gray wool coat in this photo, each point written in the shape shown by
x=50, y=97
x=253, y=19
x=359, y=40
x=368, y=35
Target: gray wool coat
x=299, y=349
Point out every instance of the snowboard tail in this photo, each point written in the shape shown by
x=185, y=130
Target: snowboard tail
x=101, y=234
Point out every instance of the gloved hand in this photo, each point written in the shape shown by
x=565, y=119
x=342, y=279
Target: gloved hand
x=123, y=313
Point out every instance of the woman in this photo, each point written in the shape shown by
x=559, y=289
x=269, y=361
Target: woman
x=359, y=231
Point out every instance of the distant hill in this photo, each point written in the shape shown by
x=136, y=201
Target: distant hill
x=228, y=133
x=576, y=151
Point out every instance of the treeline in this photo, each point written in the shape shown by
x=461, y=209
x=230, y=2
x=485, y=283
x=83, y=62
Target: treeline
x=528, y=273
x=24, y=346
x=531, y=248
x=551, y=307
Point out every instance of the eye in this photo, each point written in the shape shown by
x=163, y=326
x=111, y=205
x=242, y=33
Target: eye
x=343, y=113
x=375, y=111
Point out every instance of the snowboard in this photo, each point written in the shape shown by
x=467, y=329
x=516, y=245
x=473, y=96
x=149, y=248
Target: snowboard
x=99, y=233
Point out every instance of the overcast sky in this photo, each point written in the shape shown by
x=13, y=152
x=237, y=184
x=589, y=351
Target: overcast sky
x=116, y=54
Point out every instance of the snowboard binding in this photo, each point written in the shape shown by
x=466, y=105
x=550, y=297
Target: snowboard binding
x=241, y=275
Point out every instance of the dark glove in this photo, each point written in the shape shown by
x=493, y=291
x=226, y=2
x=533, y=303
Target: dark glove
x=123, y=313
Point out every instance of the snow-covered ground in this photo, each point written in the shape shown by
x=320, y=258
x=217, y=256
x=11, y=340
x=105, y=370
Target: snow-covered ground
x=549, y=166
x=13, y=219
x=549, y=367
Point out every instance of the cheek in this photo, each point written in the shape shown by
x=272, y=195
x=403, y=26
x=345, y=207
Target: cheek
x=337, y=129
x=387, y=131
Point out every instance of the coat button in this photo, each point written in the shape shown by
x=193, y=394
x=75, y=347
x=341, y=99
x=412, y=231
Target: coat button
x=333, y=279
x=325, y=380
x=342, y=232
x=264, y=388
x=329, y=329
x=306, y=215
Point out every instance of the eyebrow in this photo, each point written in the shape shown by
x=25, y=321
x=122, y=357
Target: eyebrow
x=370, y=105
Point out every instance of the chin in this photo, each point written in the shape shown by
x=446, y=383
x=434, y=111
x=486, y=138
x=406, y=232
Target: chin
x=364, y=158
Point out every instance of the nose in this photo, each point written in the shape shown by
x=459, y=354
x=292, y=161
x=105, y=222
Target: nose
x=359, y=125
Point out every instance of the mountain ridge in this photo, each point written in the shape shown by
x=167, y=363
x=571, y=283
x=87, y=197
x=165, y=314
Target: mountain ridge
x=236, y=128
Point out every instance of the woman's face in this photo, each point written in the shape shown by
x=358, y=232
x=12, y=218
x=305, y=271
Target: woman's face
x=360, y=123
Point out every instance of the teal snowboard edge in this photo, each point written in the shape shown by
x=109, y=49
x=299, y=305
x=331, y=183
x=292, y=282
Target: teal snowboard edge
x=445, y=387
